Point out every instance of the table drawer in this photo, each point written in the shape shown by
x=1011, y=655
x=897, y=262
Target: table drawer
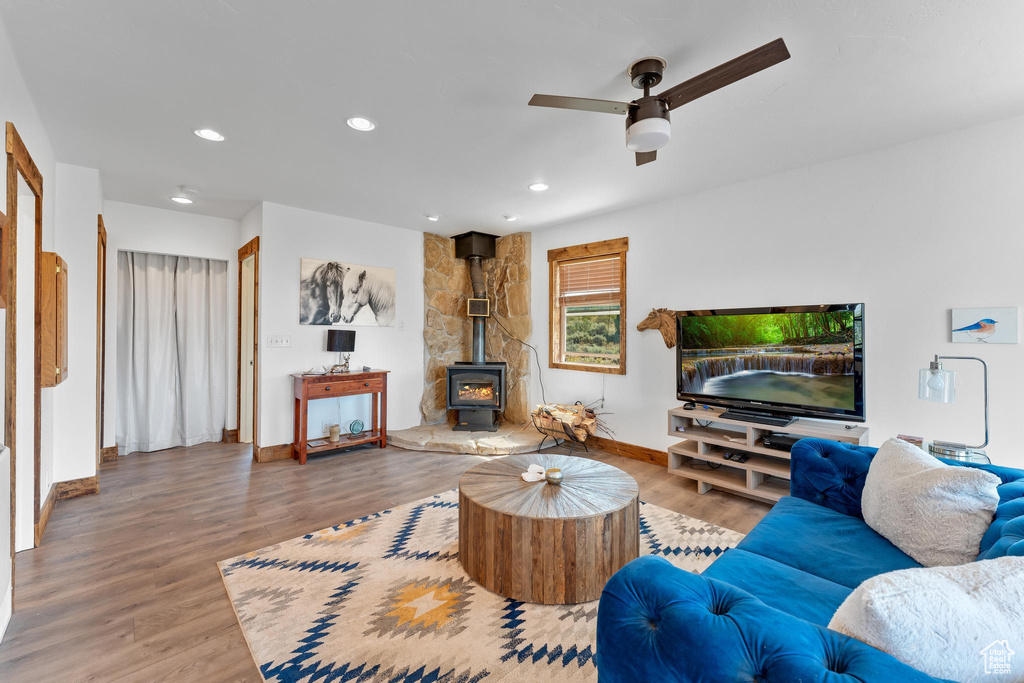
x=342, y=387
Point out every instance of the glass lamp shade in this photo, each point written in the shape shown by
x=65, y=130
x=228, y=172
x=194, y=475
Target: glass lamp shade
x=648, y=135
x=938, y=386
x=341, y=341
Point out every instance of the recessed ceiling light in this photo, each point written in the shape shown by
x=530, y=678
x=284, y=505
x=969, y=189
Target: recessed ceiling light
x=432, y=217
x=184, y=194
x=210, y=134
x=361, y=123
x=510, y=217
x=538, y=187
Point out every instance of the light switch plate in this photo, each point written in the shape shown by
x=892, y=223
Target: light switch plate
x=279, y=341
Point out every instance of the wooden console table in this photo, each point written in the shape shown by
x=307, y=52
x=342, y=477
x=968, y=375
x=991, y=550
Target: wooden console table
x=313, y=387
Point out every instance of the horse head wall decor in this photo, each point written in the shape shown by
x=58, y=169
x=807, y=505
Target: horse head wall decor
x=661, y=319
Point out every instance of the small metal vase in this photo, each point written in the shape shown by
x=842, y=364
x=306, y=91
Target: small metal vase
x=553, y=475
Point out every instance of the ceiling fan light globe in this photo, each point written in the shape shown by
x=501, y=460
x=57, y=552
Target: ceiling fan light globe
x=648, y=135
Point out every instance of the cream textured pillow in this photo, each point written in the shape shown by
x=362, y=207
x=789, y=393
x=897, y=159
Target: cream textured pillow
x=943, y=620
x=934, y=512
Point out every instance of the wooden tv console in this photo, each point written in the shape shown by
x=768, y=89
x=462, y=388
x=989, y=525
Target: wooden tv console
x=765, y=474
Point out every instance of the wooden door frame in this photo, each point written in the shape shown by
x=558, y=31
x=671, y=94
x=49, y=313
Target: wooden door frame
x=101, y=326
x=251, y=248
x=19, y=161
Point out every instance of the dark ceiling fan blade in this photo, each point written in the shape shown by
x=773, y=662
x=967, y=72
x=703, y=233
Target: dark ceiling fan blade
x=726, y=74
x=645, y=157
x=580, y=103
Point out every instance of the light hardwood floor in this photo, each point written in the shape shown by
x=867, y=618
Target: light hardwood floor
x=125, y=585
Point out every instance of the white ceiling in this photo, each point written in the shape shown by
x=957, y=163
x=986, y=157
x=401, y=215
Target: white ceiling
x=121, y=85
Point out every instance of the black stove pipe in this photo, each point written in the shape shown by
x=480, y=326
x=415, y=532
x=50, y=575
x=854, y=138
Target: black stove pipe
x=476, y=276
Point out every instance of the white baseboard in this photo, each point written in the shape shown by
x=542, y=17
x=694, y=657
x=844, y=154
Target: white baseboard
x=5, y=610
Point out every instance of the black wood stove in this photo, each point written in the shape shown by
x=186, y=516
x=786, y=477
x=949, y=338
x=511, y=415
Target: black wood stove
x=477, y=391
x=477, y=388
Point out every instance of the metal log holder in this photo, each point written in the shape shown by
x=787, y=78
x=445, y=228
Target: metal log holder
x=567, y=434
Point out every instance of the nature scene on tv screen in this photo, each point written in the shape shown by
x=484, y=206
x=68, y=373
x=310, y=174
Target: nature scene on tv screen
x=803, y=359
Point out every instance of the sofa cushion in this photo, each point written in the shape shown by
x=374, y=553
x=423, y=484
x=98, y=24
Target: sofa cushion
x=662, y=624
x=940, y=619
x=934, y=512
x=823, y=542
x=1005, y=536
x=830, y=473
x=777, y=585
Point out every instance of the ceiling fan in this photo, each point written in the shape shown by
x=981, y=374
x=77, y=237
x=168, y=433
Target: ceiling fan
x=647, y=120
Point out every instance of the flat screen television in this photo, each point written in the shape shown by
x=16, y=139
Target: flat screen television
x=788, y=361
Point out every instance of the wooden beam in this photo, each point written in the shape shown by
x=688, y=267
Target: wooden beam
x=250, y=248
x=101, y=322
x=37, y=373
x=20, y=161
x=269, y=453
x=44, y=514
x=10, y=280
x=16, y=148
x=590, y=249
x=3, y=253
x=49, y=296
x=628, y=450
x=74, y=488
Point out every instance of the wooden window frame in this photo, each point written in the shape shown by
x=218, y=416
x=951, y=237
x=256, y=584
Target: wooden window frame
x=583, y=252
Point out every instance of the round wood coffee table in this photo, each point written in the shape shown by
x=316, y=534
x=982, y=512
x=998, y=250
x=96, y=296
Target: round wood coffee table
x=540, y=542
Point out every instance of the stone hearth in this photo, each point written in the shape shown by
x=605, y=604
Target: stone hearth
x=507, y=440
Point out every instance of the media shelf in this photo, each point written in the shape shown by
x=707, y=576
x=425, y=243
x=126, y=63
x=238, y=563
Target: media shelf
x=708, y=437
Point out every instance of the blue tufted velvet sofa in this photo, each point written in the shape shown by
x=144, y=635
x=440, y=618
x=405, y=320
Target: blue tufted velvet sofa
x=759, y=612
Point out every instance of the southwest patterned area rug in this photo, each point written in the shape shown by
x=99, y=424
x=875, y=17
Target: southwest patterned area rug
x=384, y=598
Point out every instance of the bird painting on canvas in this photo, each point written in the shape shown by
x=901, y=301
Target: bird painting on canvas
x=981, y=330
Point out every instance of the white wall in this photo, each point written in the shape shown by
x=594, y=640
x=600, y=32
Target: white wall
x=79, y=201
x=912, y=231
x=131, y=227
x=17, y=107
x=25, y=391
x=250, y=226
x=288, y=235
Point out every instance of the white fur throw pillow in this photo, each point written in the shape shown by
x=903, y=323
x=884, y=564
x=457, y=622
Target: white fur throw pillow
x=956, y=623
x=934, y=512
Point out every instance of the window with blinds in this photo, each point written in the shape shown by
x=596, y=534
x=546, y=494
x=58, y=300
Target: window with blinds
x=588, y=306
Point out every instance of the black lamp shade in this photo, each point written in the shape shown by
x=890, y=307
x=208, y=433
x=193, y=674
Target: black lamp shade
x=341, y=341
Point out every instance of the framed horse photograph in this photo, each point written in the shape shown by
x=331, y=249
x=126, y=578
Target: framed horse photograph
x=337, y=293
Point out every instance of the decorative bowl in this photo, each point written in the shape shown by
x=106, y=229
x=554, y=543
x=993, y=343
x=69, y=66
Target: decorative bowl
x=553, y=475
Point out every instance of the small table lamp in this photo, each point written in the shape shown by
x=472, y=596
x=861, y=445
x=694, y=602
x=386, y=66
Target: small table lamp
x=939, y=385
x=342, y=342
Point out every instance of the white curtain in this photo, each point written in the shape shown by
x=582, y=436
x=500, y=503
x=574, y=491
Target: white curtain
x=171, y=351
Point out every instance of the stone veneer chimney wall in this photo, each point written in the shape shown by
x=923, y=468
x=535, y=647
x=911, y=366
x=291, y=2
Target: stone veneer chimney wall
x=447, y=330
